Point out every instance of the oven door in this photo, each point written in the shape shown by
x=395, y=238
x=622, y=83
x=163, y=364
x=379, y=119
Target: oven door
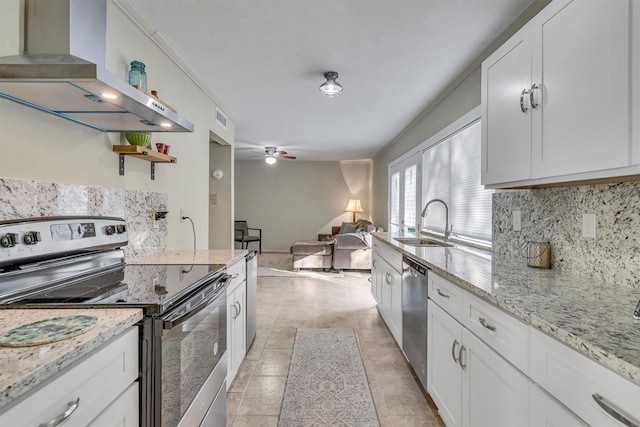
x=190, y=363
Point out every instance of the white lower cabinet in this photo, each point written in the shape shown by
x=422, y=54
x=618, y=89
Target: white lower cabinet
x=594, y=393
x=469, y=382
x=236, y=319
x=100, y=391
x=545, y=411
x=386, y=286
x=390, y=303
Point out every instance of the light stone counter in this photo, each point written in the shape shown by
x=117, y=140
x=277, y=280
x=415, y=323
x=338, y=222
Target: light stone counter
x=590, y=316
x=214, y=256
x=23, y=369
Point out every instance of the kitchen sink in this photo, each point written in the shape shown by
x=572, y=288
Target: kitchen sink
x=421, y=241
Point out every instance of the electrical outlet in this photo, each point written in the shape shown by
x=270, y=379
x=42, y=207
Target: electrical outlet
x=213, y=199
x=589, y=226
x=517, y=221
x=181, y=215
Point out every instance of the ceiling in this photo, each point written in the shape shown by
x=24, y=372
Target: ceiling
x=265, y=61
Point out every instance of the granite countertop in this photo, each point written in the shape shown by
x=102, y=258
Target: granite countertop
x=213, y=256
x=25, y=368
x=590, y=316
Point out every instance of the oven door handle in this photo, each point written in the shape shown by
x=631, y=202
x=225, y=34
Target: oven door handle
x=174, y=319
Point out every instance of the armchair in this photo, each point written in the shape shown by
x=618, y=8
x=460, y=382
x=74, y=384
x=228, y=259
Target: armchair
x=241, y=235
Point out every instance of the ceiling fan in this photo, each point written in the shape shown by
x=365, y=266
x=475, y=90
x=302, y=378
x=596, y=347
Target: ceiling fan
x=272, y=153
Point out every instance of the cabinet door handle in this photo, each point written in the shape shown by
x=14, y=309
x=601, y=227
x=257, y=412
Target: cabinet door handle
x=484, y=323
x=71, y=408
x=234, y=311
x=462, y=349
x=443, y=295
x=453, y=350
x=522, y=95
x=532, y=97
x=614, y=411
x=389, y=279
x=374, y=263
x=239, y=308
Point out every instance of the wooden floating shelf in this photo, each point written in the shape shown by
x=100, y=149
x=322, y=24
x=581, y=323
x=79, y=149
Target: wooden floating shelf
x=142, y=153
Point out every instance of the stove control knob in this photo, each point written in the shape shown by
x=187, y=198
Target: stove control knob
x=120, y=228
x=8, y=240
x=31, y=237
x=110, y=229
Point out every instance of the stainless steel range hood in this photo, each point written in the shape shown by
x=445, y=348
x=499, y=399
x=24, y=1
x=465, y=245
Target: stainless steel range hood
x=63, y=72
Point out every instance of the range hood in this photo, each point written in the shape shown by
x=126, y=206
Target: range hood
x=63, y=72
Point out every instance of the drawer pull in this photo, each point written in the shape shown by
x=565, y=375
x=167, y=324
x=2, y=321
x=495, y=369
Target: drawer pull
x=463, y=366
x=522, y=95
x=239, y=308
x=484, y=323
x=453, y=351
x=71, y=408
x=443, y=295
x=614, y=411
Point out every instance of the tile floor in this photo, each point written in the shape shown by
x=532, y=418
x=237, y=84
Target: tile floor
x=286, y=303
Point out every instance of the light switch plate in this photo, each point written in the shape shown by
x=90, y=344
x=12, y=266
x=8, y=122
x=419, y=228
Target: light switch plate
x=517, y=221
x=589, y=226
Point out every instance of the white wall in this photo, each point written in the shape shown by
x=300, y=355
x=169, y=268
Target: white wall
x=220, y=212
x=38, y=146
x=296, y=200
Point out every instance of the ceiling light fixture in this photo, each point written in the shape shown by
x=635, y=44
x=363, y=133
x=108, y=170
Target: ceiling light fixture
x=271, y=160
x=331, y=87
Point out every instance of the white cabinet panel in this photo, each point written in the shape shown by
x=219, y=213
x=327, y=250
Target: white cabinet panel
x=494, y=393
x=506, y=128
x=236, y=320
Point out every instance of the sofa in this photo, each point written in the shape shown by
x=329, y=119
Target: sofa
x=352, y=249
x=349, y=249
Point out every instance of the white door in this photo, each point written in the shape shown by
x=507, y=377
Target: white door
x=506, y=111
x=494, y=393
x=444, y=375
x=404, y=194
x=581, y=65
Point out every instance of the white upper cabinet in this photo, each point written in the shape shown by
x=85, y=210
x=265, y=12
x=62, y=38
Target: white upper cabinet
x=557, y=97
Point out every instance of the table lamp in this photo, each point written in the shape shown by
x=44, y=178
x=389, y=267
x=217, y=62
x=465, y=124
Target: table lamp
x=354, y=206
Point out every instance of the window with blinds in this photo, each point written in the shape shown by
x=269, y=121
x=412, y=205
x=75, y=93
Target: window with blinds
x=452, y=174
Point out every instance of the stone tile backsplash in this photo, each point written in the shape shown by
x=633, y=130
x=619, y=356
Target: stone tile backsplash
x=555, y=215
x=24, y=199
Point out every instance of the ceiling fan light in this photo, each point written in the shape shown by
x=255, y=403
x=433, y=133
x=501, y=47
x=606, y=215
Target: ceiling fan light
x=270, y=160
x=331, y=87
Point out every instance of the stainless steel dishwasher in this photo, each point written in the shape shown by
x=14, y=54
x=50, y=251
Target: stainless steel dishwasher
x=414, y=316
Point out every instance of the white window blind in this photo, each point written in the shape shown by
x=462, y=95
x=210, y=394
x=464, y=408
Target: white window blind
x=410, y=198
x=395, y=201
x=452, y=173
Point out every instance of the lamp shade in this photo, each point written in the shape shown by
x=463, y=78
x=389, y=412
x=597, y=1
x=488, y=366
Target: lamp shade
x=354, y=205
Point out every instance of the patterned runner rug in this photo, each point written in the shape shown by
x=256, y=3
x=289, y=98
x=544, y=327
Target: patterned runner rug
x=327, y=384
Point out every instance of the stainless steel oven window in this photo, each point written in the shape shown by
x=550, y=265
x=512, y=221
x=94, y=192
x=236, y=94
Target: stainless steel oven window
x=190, y=350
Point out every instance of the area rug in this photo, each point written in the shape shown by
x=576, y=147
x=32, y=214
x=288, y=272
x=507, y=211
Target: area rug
x=327, y=384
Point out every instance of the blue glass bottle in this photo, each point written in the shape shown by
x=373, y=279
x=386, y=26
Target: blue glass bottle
x=137, y=75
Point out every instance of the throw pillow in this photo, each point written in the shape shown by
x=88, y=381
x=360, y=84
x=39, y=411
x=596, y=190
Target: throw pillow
x=348, y=227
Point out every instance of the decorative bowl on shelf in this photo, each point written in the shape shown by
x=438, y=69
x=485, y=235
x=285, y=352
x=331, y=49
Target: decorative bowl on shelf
x=138, y=138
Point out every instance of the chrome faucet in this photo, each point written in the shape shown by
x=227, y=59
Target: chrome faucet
x=447, y=230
